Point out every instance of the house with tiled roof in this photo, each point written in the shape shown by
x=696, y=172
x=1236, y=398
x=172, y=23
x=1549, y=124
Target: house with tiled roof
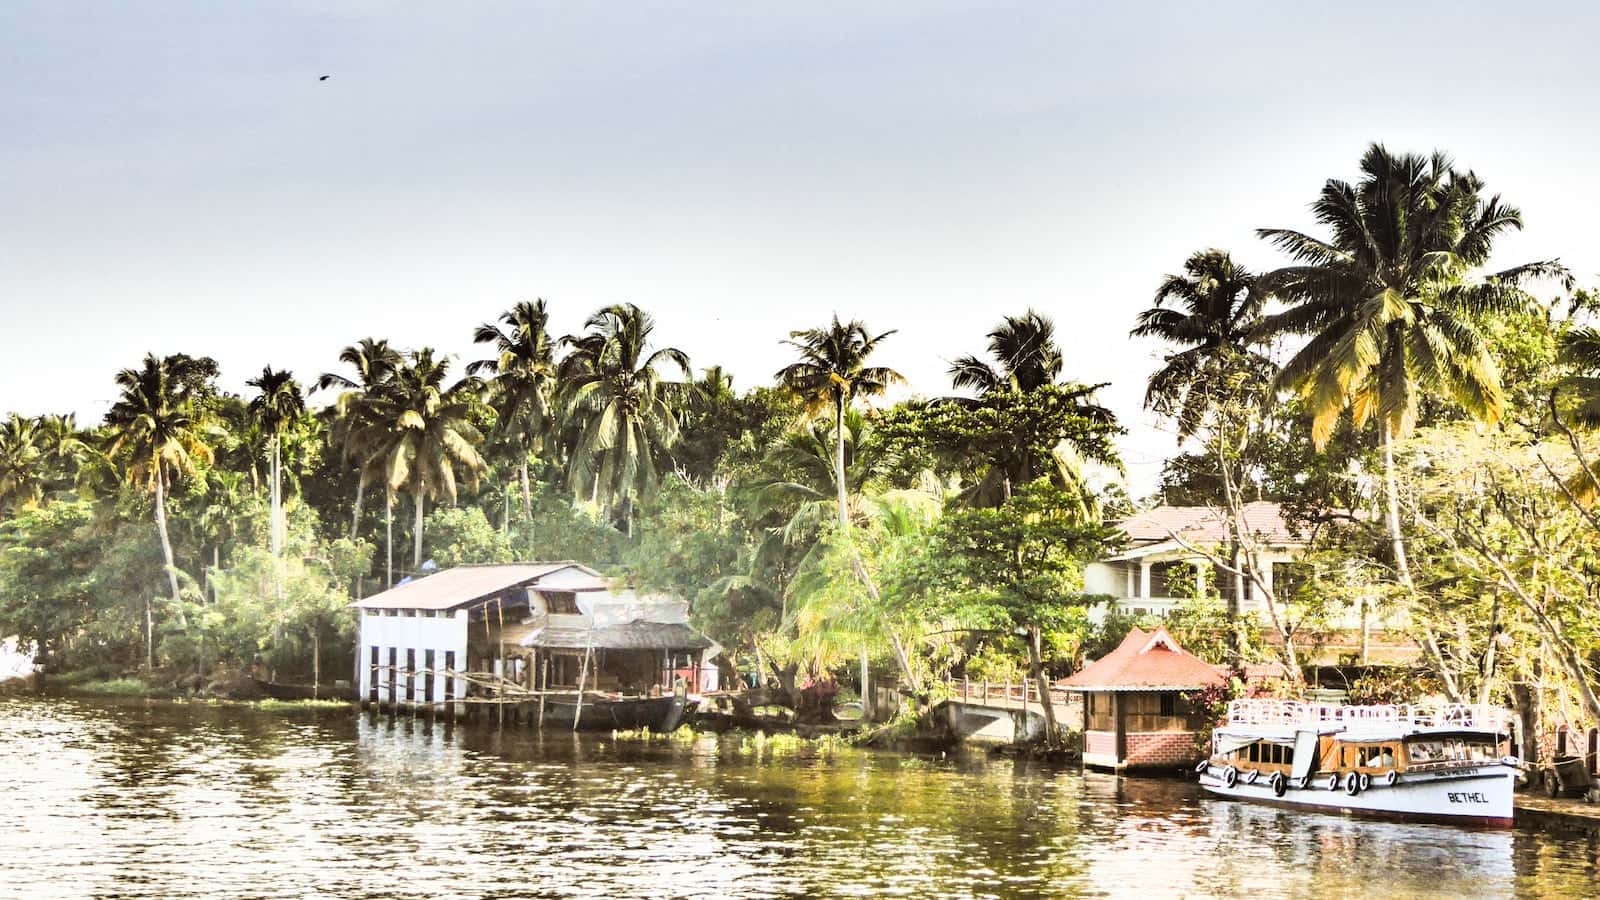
x=1155, y=569
x=1136, y=708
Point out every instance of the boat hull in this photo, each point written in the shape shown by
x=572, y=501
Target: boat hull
x=1480, y=796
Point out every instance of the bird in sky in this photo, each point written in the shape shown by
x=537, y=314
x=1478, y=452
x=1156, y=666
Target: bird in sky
x=324, y=77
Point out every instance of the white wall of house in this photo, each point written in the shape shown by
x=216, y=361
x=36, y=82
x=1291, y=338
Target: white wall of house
x=1129, y=580
x=418, y=631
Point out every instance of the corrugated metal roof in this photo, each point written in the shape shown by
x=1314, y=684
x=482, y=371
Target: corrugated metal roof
x=463, y=585
x=1146, y=661
x=632, y=636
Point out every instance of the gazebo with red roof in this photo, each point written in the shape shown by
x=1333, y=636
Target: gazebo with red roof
x=1135, y=711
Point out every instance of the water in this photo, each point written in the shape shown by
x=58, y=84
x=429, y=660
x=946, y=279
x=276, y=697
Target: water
x=135, y=799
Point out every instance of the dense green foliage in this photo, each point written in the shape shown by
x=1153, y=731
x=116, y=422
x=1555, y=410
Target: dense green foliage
x=813, y=532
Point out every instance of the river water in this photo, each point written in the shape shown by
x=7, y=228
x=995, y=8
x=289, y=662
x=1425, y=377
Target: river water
x=102, y=798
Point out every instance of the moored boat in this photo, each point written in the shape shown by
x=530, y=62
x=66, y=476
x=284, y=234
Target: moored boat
x=1440, y=764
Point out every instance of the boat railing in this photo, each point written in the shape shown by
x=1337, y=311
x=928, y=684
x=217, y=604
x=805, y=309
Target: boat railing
x=1261, y=711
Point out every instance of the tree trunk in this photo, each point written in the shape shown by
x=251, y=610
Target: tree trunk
x=276, y=501
x=166, y=541
x=416, y=562
x=527, y=495
x=316, y=660
x=388, y=539
x=149, y=637
x=1052, y=733
x=838, y=463
x=355, y=512
x=1391, y=484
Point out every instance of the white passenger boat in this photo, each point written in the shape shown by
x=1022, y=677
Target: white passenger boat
x=1441, y=764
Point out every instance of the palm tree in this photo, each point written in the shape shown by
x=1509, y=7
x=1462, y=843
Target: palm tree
x=831, y=373
x=621, y=405
x=158, y=433
x=23, y=472
x=1027, y=354
x=1390, y=300
x=64, y=448
x=1027, y=360
x=523, y=388
x=353, y=420
x=1211, y=312
x=1580, y=350
x=423, y=433
x=278, y=405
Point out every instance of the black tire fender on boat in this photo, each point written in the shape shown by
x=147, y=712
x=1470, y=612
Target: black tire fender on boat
x=1352, y=785
x=1392, y=779
x=1304, y=782
x=1333, y=782
x=1366, y=781
x=1280, y=785
x=1230, y=776
x=1202, y=766
x=1251, y=778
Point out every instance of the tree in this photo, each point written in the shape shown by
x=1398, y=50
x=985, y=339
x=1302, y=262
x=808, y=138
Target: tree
x=355, y=425
x=613, y=388
x=277, y=406
x=1212, y=322
x=522, y=390
x=426, y=435
x=64, y=449
x=1390, y=301
x=831, y=373
x=1018, y=566
x=23, y=473
x=1026, y=354
x=159, y=432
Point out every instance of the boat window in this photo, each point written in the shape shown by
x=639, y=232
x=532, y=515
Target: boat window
x=1426, y=751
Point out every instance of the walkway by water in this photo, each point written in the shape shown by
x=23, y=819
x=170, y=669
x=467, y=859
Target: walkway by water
x=163, y=800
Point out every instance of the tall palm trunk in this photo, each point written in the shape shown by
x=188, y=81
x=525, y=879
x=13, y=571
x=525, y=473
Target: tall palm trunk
x=166, y=540
x=527, y=495
x=355, y=513
x=838, y=461
x=1391, y=485
x=276, y=504
x=388, y=538
x=416, y=535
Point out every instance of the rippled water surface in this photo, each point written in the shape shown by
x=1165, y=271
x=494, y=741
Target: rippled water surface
x=114, y=799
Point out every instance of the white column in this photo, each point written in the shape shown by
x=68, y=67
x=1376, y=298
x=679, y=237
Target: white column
x=1144, y=580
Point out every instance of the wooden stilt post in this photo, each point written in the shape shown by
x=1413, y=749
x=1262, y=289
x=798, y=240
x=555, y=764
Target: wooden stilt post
x=583, y=673
x=500, y=611
x=544, y=678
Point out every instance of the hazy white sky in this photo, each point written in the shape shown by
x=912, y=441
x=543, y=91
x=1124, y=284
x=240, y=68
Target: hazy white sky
x=174, y=176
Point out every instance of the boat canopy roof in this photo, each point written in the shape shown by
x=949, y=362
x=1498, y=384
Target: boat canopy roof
x=1367, y=722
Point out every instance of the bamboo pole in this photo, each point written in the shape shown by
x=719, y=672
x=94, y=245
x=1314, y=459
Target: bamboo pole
x=582, y=673
x=544, y=687
x=500, y=611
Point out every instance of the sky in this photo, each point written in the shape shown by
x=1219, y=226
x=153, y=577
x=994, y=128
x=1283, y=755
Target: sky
x=174, y=177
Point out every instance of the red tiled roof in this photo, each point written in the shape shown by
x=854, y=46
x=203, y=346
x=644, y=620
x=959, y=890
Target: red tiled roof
x=1208, y=524
x=1146, y=661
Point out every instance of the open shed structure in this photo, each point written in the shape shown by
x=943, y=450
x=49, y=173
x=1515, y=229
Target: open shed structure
x=1136, y=712
x=542, y=639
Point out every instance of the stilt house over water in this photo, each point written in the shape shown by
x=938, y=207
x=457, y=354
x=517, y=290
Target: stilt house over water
x=518, y=634
x=1135, y=711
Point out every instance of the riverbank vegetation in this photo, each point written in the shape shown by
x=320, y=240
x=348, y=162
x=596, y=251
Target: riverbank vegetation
x=1427, y=418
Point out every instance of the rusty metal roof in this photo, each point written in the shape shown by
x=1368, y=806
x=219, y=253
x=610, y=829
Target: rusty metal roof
x=632, y=636
x=465, y=585
x=1208, y=524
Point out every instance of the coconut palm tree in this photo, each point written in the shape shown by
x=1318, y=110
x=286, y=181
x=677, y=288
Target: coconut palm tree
x=374, y=362
x=831, y=373
x=522, y=389
x=422, y=435
x=1575, y=401
x=1026, y=357
x=159, y=434
x=622, y=407
x=1390, y=299
x=278, y=406
x=1210, y=312
x=64, y=447
x=23, y=465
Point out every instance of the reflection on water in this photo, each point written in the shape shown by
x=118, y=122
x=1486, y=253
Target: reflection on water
x=121, y=799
